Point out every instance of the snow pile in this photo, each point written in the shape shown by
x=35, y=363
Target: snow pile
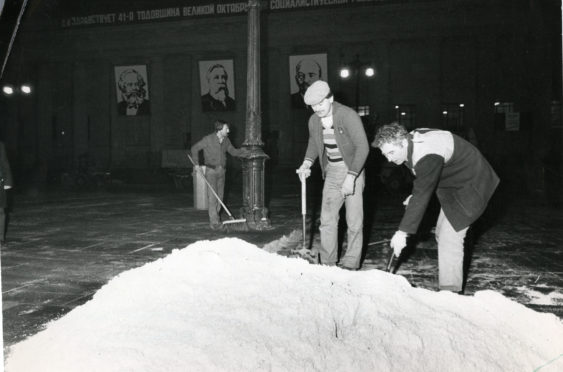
x=226, y=305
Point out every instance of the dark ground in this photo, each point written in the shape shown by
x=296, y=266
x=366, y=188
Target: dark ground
x=62, y=246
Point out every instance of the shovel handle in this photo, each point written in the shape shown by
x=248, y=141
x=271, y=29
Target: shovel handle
x=390, y=261
x=304, y=209
x=303, y=195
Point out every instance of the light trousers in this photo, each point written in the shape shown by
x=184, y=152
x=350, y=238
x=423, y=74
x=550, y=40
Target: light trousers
x=216, y=178
x=330, y=213
x=450, y=254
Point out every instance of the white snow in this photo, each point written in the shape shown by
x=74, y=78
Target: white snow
x=227, y=305
x=539, y=298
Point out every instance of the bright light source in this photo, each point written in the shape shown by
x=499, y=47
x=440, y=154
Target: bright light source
x=344, y=72
x=462, y=105
x=396, y=107
x=445, y=113
x=497, y=103
x=403, y=113
x=370, y=72
x=25, y=89
x=8, y=90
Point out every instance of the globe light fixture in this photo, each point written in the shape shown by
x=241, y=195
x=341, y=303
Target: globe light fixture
x=25, y=89
x=8, y=90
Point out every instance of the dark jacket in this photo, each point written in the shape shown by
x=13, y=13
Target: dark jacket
x=213, y=151
x=143, y=109
x=208, y=103
x=349, y=134
x=5, y=175
x=463, y=179
x=298, y=102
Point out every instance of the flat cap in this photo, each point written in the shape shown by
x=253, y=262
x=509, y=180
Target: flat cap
x=316, y=92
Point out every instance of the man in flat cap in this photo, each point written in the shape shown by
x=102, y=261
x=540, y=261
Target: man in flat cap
x=337, y=137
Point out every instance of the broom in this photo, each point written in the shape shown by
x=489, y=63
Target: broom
x=236, y=224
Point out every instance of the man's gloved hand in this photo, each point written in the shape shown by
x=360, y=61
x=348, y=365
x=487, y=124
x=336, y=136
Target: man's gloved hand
x=245, y=153
x=407, y=200
x=197, y=169
x=304, y=171
x=348, y=185
x=398, y=242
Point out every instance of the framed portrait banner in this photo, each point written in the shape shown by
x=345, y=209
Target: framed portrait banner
x=132, y=90
x=304, y=70
x=217, y=85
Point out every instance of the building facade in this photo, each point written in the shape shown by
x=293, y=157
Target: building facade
x=487, y=69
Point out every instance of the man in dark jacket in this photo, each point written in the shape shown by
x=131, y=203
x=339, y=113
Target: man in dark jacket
x=462, y=178
x=338, y=139
x=215, y=147
x=5, y=184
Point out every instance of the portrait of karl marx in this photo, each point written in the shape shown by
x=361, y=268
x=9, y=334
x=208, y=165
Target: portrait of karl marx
x=133, y=93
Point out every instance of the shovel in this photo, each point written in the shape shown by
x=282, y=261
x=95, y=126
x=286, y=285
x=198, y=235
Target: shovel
x=304, y=251
x=304, y=209
x=393, y=262
x=390, y=261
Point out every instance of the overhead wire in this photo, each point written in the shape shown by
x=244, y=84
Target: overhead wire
x=22, y=10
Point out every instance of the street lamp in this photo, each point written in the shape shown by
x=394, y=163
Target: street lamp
x=25, y=89
x=254, y=209
x=357, y=69
x=10, y=90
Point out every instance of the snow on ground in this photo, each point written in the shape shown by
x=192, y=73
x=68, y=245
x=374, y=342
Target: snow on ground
x=227, y=305
x=539, y=298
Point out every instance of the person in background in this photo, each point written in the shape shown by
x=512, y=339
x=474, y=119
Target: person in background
x=337, y=138
x=217, y=98
x=463, y=180
x=6, y=183
x=307, y=71
x=215, y=147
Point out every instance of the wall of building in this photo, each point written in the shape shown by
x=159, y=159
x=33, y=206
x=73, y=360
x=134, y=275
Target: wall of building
x=425, y=54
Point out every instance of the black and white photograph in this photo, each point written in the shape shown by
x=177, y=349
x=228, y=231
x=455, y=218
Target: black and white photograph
x=280, y=185
x=132, y=90
x=304, y=70
x=217, y=85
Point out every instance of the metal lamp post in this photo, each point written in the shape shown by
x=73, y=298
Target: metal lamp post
x=253, y=209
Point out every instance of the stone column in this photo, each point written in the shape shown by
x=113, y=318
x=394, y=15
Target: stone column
x=253, y=209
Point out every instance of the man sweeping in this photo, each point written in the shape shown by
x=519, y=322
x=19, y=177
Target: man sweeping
x=215, y=146
x=462, y=178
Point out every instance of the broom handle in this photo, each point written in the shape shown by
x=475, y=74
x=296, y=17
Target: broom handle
x=304, y=208
x=210, y=187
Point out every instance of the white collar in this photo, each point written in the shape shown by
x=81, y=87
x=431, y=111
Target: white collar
x=327, y=122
